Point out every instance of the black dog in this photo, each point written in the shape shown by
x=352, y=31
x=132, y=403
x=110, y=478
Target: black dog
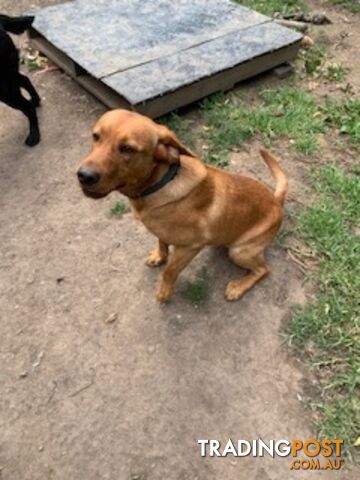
x=11, y=80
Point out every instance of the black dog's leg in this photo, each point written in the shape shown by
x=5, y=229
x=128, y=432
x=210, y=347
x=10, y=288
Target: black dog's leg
x=20, y=103
x=29, y=87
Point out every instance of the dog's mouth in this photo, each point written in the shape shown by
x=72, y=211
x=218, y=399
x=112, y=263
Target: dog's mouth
x=93, y=194
x=88, y=192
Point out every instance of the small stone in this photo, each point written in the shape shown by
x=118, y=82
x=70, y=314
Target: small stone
x=307, y=41
x=24, y=374
x=41, y=448
x=60, y=279
x=283, y=70
x=151, y=349
x=111, y=318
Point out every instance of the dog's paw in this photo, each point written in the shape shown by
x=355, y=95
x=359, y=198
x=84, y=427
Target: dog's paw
x=233, y=292
x=155, y=259
x=32, y=139
x=164, y=293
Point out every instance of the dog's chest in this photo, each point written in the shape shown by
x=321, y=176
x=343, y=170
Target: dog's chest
x=173, y=227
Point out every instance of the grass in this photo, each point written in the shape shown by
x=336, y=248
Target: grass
x=314, y=59
x=315, y=64
x=351, y=5
x=197, y=291
x=269, y=7
x=34, y=62
x=283, y=112
x=119, y=208
x=345, y=116
x=328, y=328
x=335, y=73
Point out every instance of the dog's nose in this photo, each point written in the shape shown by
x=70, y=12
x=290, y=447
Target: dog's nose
x=87, y=176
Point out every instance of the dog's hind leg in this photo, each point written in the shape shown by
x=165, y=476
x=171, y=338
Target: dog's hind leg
x=29, y=87
x=249, y=259
x=248, y=253
x=18, y=102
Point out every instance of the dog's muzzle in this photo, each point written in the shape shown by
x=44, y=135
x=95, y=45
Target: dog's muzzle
x=87, y=176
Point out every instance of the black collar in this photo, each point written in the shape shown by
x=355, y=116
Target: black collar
x=169, y=175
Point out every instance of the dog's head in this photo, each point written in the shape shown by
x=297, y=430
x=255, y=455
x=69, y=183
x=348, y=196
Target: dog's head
x=126, y=149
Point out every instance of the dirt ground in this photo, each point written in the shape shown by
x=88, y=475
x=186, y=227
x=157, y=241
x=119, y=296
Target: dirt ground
x=86, y=399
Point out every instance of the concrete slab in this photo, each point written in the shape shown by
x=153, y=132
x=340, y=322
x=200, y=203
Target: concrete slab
x=143, y=52
x=111, y=36
x=171, y=72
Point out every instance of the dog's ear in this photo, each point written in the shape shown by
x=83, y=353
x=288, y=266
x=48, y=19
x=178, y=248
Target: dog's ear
x=169, y=148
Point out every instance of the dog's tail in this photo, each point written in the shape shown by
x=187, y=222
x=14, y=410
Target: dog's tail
x=278, y=174
x=16, y=25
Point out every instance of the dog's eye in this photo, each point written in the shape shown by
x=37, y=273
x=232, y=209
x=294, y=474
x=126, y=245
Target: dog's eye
x=126, y=149
x=96, y=136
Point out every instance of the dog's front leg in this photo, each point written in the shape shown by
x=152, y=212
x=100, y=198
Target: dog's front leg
x=159, y=256
x=180, y=258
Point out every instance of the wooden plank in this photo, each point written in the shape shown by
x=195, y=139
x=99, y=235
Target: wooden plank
x=108, y=96
x=104, y=93
x=66, y=63
x=108, y=36
x=167, y=74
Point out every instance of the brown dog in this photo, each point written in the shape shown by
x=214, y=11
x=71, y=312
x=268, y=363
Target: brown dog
x=180, y=200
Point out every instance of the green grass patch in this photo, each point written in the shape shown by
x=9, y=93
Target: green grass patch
x=119, y=208
x=283, y=112
x=335, y=419
x=269, y=7
x=328, y=328
x=351, y=5
x=335, y=73
x=197, y=291
x=345, y=116
x=316, y=64
x=314, y=59
x=33, y=60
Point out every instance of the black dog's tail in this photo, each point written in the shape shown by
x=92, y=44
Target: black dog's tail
x=16, y=25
